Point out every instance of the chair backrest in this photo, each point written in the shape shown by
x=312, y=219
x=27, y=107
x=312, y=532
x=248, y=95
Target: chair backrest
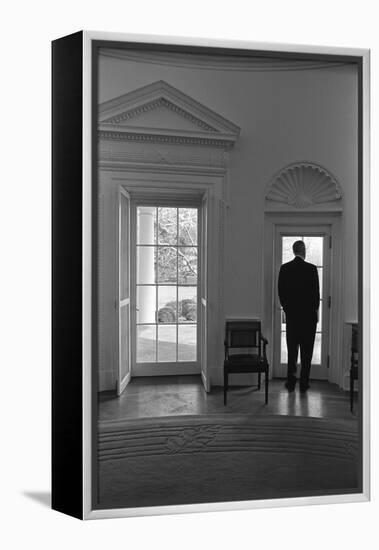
x=354, y=338
x=242, y=335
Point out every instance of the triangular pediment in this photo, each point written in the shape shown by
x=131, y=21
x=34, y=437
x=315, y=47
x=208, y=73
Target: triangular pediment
x=159, y=109
x=162, y=114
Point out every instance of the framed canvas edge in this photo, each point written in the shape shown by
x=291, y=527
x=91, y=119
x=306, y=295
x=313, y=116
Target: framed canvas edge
x=363, y=58
x=223, y=506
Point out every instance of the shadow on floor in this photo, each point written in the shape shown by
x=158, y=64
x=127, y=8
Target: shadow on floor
x=42, y=497
x=184, y=395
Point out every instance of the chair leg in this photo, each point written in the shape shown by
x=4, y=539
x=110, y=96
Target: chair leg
x=225, y=386
x=266, y=387
x=351, y=392
x=259, y=380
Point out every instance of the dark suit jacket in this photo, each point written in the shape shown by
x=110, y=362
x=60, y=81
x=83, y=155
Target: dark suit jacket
x=299, y=290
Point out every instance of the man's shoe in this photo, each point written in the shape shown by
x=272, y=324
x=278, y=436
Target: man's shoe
x=304, y=388
x=290, y=386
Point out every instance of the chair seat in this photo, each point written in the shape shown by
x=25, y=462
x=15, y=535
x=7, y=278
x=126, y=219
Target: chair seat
x=245, y=363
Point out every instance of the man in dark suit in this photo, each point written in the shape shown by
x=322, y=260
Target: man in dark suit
x=299, y=294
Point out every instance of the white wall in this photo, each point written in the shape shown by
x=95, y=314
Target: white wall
x=285, y=116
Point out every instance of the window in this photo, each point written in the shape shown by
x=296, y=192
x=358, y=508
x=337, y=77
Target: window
x=167, y=284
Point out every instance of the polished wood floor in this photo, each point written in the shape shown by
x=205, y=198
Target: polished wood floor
x=181, y=395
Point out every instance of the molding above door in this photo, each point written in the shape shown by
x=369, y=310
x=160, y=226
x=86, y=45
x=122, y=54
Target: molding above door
x=303, y=186
x=160, y=113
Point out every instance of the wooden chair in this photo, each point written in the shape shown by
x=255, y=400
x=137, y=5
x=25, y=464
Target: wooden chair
x=353, y=362
x=245, y=352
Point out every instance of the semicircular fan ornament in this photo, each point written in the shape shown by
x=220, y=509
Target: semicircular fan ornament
x=302, y=185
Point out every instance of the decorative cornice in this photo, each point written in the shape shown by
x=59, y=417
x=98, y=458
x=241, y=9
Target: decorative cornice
x=178, y=169
x=161, y=153
x=133, y=134
x=156, y=104
x=303, y=185
x=217, y=62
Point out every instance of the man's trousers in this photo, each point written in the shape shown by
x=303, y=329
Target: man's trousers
x=300, y=333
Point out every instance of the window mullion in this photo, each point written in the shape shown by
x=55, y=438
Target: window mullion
x=177, y=286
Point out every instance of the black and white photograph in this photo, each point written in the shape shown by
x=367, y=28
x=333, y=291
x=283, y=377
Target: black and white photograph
x=189, y=275
x=227, y=275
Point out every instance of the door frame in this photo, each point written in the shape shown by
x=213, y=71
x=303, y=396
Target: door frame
x=300, y=230
x=273, y=220
x=184, y=182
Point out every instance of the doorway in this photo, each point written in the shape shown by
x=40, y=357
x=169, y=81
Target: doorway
x=166, y=282
x=317, y=240
x=198, y=305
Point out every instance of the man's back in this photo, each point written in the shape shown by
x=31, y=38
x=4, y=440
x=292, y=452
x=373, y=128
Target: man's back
x=298, y=288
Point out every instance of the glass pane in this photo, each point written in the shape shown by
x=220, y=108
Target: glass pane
x=283, y=319
x=146, y=303
x=187, y=304
x=314, y=247
x=320, y=271
x=167, y=306
x=287, y=253
x=167, y=343
x=319, y=324
x=187, y=342
x=283, y=348
x=146, y=344
x=146, y=225
x=167, y=225
x=316, y=359
x=124, y=252
x=167, y=265
x=187, y=266
x=187, y=226
x=146, y=258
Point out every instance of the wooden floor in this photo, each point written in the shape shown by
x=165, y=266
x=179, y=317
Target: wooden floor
x=182, y=395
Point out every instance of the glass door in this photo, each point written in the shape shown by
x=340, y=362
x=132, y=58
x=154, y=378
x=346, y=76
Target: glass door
x=317, y=253
x=166, y=290
x=123, y=377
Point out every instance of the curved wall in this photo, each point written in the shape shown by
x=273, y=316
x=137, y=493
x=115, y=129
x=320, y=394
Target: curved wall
x=285, y=116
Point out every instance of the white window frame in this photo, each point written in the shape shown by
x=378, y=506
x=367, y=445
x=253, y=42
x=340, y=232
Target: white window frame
x=157, y=368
